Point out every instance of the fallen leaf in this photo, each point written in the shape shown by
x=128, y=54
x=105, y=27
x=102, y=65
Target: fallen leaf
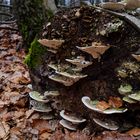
x=29, y=113
x=42, y=125
x=115, y=102
x=134, y=132
x=8, y=116
x=4, y=130
x=44, y=136
x=102, y=105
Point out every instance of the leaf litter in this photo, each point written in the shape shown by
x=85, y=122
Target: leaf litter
x=17, y=120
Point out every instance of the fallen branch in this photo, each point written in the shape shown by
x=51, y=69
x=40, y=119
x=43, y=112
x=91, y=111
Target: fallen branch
x=135, y=22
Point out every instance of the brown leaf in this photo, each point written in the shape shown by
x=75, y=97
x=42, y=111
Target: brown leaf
x=44, y=136
x=29, y=113
x=4, y=130
x=134, y=132
x=15, y=131
x=8, y=116
x=102, y=105
x=19, y=114
x=42, y=125
x=115, y=102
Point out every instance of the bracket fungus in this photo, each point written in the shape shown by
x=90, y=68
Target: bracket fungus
x=53, y=44
x=62, y=74
x=129, y=100
x=61, y=79
x=93, y=106
x=40, y=107
x=108, y=124
x=96, y=49
x=68, y=125
x=125, y=89
x=38, y=97
x=115, y=6
x=135, y=96
x=75, y=76
x=137, y=57
x=71, y=117
x=80, y=62
x=51, y=93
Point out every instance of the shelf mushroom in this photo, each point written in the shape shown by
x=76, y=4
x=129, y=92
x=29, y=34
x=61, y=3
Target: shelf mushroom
x=129, y=100
x=71, y=118
x=96, y=50
x=135, y=96
x=115, y=6
x=108, y=124
x=52, y=44
x=92, y=105
x=61, y=79
x=38, y=97
x=40, y=107
x=51, y=93
x=75, y=76
x=136, y=56
x=64, y=72
x=68, y=125
x=63, y=76
x=80, y=62
x=125, y=89
x=70, y=121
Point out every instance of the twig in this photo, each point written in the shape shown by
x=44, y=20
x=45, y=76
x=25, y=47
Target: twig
x=135, y=22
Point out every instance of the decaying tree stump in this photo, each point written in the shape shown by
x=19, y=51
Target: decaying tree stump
x=106, y=50
x=84, y=54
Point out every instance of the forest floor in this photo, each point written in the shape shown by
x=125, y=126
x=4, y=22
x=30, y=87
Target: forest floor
x=17, y=120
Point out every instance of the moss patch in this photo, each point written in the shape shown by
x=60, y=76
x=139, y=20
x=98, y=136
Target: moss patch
x=35, y=55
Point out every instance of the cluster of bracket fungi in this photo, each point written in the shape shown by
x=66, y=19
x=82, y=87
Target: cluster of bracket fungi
x=67, y=69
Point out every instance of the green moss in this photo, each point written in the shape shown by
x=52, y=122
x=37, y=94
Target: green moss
x=30, y=16
x=50, y=14
x=35, y=55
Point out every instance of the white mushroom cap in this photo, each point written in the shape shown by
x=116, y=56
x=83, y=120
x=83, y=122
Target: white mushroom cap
x=30, y=86
x=115, y=110
x=72, y=76
x=124, y=89
x=80, y=62
x=51, y=93
x=68, y=125
x=71, y=118
x=110, y=125
x=38, y=97
x=88, y=103
x=40, y=107
x=129, y=100
x=61, y=79
x=135, y=96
